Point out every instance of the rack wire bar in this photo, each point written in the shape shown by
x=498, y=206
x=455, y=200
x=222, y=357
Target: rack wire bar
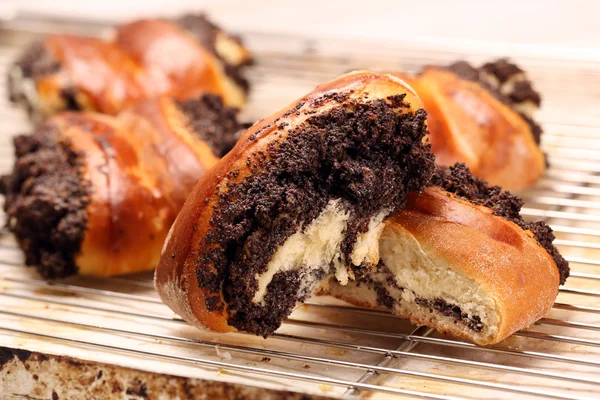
x=404, y=347
x=533, y=334
x=218, y=364
x=577, y=231
x=577, y=308
x=447, y=342
x=87, y=290
x=561, y=215
x=82, y=289
x=327, y=347
x=378, y=368
x=584, y=275
x=580, y=260
x=580, y=291
x=402, y=351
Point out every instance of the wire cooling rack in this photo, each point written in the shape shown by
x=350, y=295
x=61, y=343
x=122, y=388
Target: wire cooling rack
x=327, y=348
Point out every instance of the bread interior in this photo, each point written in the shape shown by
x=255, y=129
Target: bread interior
x=319, y=244
x=413, y=283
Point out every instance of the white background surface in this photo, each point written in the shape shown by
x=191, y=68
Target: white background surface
x=550, y=26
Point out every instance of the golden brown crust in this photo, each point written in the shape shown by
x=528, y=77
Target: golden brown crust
x=175, y=277
x=146, y=58
x=503, y=258
x=168, y=150
x=469, y=124
x=174, y=62
x=128, y=214
x=140, y=171
x=134, y=171
x=150, y=162
x=105, y=78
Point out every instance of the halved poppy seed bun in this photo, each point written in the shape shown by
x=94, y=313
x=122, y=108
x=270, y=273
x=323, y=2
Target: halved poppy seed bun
x=459, y=258
x=301, y=198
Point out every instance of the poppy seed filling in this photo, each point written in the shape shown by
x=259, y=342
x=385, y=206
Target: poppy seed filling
x=45, y=199
x=390, y=295
x=212, y=122
x=349, y=168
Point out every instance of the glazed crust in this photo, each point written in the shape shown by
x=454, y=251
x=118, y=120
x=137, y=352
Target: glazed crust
x=175, y=278
x=469, y=124
x=140, y=178
x=137, y=168
x=504, y=259
x=146, y=58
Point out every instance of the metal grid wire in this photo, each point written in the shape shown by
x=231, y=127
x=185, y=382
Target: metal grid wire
x=326, y=347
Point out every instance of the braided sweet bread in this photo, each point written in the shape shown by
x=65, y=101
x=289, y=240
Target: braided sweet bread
x=323, y=197
x=484, y=118
x=96, y=195
x=181, y=58
x=301, y=197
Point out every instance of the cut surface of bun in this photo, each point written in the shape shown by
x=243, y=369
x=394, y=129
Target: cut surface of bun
x=461, y=260
x=301, y=197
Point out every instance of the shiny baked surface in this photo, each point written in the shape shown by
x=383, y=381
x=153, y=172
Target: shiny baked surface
x=566, y=195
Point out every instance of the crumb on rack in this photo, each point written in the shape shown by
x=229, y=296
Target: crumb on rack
x=223, y=354
x=325, y=388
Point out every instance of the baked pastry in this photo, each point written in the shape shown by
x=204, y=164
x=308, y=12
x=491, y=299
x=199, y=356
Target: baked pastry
x=181, y=58
x=301, y=197
x=301, y=205
x=96, y=195
x=484, y=118
x=459, y=258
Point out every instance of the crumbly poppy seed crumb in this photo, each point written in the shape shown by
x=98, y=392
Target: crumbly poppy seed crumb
x=45, y=199
x=213, y=122
x=365, y=154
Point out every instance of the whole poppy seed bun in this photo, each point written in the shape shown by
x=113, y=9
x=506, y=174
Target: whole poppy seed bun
x=302, y=197
x=460, y=259
x=94, y=194
x=181, y=58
